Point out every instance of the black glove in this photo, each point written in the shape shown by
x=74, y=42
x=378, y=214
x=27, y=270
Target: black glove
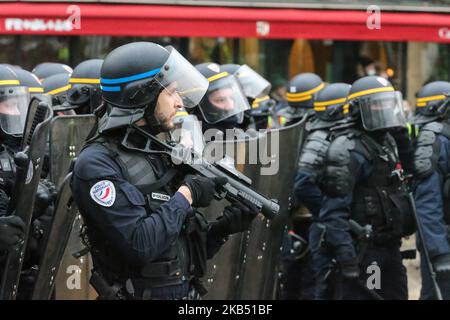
x=350, y=269
x=45, y=196
x=235, y=218
x=12, y=230
x=202, y=189
x=405, y=148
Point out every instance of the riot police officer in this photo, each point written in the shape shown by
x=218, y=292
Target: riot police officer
x=222, y=108
x=302, y=90
x=432, y=167
x=46, y=192
x=366, y=209
x=330, y=108
x=47, y=69
x=146, y=240
x=13, y=104
x=256, y=89
x=84, y=94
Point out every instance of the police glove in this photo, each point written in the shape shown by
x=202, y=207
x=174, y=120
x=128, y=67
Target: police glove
x=235, y=218
x=350, y=269
x=45, y=196
x=12, y=230
x=202, y=189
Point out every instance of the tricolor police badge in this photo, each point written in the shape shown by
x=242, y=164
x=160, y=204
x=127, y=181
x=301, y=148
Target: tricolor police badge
x=104, y=193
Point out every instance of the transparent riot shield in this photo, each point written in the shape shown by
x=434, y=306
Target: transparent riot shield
x=246, y=266
x=67, y=136
x=55, y=243
x=62, y=271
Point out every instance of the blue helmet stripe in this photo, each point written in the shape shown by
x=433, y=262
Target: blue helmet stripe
x=110, y=88
x=131, y=78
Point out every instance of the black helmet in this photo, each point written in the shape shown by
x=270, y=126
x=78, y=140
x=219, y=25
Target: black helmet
x=47, y=69
x=253, y=84
x=376, y=101
x=56, y=86
x=35, y=87
x=30, y=81
x=261, y=109
x=84, y=92
x=302, y=90
x=225, y=100
x=133, y=76
x=14, y=100
x=432, y=101
x=331, y=102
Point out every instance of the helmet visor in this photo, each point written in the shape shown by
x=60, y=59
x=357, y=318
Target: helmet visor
x=382, y=111
x=13, y=109
x=79, y=94
x=253, y=83
x=188, y=133
x=224, y=99
x=180, y=78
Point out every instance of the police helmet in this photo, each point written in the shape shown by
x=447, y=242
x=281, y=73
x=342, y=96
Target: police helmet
x=432, y=101
x=35, y=87
x=262, y=109
x=47, y=69
x=225, y=100
x=14, y=101
x=378, y=104
x=302, y=90
x=133, y=76
x=56, y=86
x=331, y=102
x=84, y=92
x=253, y=84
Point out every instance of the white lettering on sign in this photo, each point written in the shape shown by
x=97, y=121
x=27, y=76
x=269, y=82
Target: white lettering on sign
x=18, y=24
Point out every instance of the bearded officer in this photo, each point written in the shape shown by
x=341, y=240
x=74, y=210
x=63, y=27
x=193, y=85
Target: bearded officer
x=147, y=241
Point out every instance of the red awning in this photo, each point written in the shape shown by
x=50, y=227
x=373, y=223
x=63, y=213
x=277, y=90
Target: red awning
x=184, y=21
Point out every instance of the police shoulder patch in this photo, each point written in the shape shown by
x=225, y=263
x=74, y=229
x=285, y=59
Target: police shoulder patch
x=104, y=193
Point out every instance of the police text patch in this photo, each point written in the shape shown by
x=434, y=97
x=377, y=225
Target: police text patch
x=160, y=196
x=104, y=193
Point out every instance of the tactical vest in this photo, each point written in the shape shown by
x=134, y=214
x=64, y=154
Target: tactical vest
x=155, y=178
x=382, y=199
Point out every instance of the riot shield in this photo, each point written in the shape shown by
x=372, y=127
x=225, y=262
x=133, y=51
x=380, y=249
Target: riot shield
x=67, y=137
x=263, y=248
x=28, y=171
x=222, y=277
x=245, y=267
x=55, y=242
